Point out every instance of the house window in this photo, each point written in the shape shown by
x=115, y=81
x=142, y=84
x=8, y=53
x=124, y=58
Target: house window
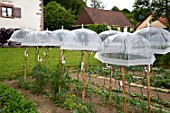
x=6, y=11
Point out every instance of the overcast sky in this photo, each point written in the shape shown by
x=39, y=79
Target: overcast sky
x=121, y=4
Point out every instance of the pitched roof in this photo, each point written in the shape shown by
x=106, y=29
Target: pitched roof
x=160, y=23
x=100, y=16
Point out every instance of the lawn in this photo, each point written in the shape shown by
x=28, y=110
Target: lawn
x=12, y=60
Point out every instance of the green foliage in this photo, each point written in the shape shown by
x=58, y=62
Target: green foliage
x=162, y=81
x=39, y=79
x=141, y=10
x=163, y=60
x=75, y=104
x=74, y=6
x=12, y=102
x=97, y=4
x=98, y=28
x=115, y=8
x=56, y=16
x=56, y=82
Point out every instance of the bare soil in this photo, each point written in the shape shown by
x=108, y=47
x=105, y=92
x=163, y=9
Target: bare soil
x=44, y=105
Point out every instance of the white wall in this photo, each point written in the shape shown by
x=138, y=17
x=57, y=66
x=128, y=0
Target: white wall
x=29, y=18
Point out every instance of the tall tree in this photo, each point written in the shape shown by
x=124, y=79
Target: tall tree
x=55, y=16
x=74, y=6
x=115, y=8
x=142, y=9
x=97, y=4
x=162, y=8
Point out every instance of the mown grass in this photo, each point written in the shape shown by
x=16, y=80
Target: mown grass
x=12, y=60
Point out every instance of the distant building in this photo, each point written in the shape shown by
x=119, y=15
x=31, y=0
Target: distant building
x=100, y=16
x=160, y=23
x=21, y=14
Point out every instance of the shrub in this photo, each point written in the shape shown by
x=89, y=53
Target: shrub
x=98, y=28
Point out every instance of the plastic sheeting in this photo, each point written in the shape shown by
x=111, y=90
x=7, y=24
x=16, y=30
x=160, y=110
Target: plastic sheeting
x=158, y=38
x=82, y=39
x=126, y=49
x=19, y=35
x=105, y=34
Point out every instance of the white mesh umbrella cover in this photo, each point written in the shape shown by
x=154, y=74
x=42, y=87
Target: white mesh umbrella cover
x=105, y=34
x=126, y=49
x=36, y=38
x=158, y=38
x=19, y=35
x=82, y=39
x=57, y=37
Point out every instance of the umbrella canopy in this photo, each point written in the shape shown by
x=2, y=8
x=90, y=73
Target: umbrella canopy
x=19, y=35
x=36, y=38
x=158, y=38
x=126, y=49
x=58, y=36
x=105, y=34
x=82, y=39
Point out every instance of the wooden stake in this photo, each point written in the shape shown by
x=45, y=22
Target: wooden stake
x=110, y=98
x=148, y=87
x=124, y=89
x=25, y=70
x=83, y=74
x=45, y=60
x=37, y=52
x=61, y=66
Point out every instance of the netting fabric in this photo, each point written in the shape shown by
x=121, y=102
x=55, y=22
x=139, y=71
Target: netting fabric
x=105, y=34
x=82, y=39
x=158, y=38
x=126, y=49
x=19, y=35
x=36, y=38
x=57, y=37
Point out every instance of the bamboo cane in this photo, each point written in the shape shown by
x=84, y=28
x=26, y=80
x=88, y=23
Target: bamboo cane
x=37, y=55
x=61, y=67
x=124, y=89
x=110, y=98
x=45, y=60
x=83, y=72
x=25, y=70
x=148, y=87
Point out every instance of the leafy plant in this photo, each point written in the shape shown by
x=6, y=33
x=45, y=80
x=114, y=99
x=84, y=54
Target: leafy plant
x=12, y=102
x=40, y=79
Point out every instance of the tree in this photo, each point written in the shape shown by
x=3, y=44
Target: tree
x=74, y=6
x=55, y=16
x=126, y=11
x=115, y=8
x=142, y=9
x=161, y=8
x=97, y=4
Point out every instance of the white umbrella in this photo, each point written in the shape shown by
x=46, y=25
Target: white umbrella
x=158, y=38
x=19, y=35
x=126, y=49
x=82, y=39
x=105, y=34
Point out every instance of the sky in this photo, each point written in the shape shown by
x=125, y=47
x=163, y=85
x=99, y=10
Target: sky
x=121, y=4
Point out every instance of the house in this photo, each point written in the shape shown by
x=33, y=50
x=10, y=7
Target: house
x=160, y=23
x=100, y=16
x=19, y=14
